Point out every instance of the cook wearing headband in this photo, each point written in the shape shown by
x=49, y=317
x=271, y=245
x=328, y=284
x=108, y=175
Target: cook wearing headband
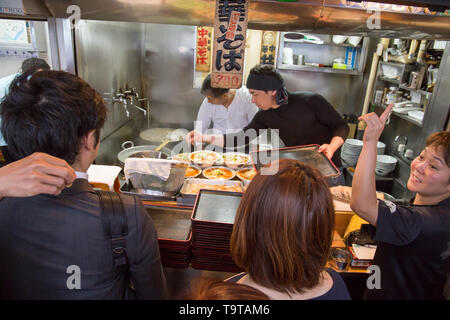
x=302, y=118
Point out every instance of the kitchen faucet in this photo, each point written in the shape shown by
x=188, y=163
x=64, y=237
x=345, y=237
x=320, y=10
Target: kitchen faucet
x=132, y=94
x=122, y=99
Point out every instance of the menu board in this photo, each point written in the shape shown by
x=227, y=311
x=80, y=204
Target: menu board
x=230, y=30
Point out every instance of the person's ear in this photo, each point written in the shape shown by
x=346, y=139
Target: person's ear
x=90, y=140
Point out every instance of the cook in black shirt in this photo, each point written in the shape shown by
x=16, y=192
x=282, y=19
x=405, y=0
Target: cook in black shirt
x=413, y=239
x=302, y=118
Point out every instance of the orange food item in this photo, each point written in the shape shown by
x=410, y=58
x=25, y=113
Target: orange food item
x=246, y=174
x=218, y=173
x=191, y=172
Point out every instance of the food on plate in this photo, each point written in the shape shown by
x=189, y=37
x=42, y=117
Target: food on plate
x=218, y=173
x=246, y=174
x=236, y=158
x=181, y=157
x=192, y=172
x=195, y=187
x=203, y=157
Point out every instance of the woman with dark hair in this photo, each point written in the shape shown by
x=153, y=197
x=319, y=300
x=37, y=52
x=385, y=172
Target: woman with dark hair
x=283, y=232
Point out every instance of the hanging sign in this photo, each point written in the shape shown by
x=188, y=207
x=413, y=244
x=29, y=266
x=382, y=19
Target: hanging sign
x=230, y=30
x=203, y=51
x=268, y=47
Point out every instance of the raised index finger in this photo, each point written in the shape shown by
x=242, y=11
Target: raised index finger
x=386, y=113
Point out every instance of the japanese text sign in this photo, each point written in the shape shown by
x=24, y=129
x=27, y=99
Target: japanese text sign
x=203, y=51
x=230, y=29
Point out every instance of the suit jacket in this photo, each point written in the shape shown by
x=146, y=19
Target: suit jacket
x=54, y=247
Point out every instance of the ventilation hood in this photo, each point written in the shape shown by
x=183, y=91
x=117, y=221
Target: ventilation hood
x=314, y=16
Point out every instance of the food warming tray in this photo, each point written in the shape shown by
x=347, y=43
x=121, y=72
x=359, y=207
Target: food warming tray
x=146, y=194
x=307, y=154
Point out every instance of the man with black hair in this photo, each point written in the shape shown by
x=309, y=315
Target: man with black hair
x=302, y=118
x=28, y=65
x=57, y=247
x=227, y=109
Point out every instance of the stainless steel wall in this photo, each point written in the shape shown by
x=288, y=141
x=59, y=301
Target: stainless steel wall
x=109, y=58
x=168, y=71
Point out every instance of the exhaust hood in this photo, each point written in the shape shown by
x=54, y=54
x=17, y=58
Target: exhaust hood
x=371, y=19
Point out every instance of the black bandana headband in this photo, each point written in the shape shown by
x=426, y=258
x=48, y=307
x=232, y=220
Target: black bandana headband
x=263, y=82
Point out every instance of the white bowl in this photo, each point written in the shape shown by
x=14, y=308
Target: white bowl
x=197, y=158
x=339, y=39
x=236, y=160
x=354, y=40
x=386, y=159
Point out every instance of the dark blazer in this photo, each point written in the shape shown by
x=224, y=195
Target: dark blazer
x=45, y=240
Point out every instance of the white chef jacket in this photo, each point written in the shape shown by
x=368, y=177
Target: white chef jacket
x=238, y=114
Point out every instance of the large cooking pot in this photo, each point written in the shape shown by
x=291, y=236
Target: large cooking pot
x=147, y=151
x=158, y=135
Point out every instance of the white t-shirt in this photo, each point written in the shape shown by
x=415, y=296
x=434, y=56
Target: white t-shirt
x=238, y=114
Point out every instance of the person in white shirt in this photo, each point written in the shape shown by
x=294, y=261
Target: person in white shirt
x=229, y=110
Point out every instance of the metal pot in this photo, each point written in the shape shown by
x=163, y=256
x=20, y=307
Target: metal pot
x=147, y=151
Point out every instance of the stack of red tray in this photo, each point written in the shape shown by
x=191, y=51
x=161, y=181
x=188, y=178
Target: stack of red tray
x=212, y=225
x=173, y=226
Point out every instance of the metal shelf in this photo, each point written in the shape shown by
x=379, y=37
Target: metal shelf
x=403, y=116
x=317, y=69
x=323, y=44
x=323, y=53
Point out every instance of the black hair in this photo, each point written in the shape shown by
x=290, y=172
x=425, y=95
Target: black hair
x=33, y=64
x=266, y=70
x=206, y=88
x=265, y=77
x=51, y=112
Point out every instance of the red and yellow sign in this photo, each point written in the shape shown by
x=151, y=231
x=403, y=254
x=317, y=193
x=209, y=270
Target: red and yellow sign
x=203, y=51
x=230, y=30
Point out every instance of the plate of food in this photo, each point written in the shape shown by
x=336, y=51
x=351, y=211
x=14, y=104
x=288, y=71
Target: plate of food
x=192, y=171
x=204, y=158
x=182, y=157
x=246, y=174
x=219, y=173
x=236, y=160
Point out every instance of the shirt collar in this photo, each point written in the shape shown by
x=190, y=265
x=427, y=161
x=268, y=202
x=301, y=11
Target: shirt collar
x=81, y=175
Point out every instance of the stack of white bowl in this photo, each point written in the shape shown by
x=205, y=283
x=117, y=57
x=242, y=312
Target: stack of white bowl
x=385, y=164
x=380, y=147
x=350, y=151
x=352, y=148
